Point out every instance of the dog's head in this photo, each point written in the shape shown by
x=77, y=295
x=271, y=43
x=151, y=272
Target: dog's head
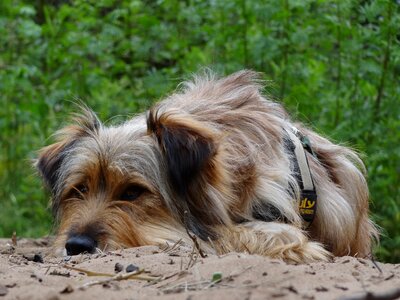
x=132, y=184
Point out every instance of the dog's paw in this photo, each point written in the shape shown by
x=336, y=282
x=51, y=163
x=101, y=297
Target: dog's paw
x=282, y=241
x=312, y=252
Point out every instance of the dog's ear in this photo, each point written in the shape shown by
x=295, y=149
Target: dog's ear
x=49, y=162
x=50, y=158
x=187, y=145
x=190, y=149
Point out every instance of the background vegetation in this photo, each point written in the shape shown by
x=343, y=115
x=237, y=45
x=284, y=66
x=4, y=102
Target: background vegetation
x=334, y=64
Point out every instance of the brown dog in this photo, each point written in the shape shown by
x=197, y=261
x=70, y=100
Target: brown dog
x=218, y=160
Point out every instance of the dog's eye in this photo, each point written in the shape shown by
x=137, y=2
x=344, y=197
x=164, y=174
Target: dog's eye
x=82, y=188
x=78, y=191
x=131, y=193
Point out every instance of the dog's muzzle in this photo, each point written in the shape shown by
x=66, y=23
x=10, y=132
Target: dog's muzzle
x=80, y=244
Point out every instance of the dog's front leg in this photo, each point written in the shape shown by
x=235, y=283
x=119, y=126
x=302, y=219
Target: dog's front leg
x=272, y=239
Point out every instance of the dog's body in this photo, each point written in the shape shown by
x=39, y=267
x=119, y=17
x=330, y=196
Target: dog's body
x=212, y=159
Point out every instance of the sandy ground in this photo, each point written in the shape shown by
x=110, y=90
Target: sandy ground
x=176, y=272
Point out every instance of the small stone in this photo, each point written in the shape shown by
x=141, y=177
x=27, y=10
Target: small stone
x=346, y=261
x=67, y=290
x=38, y=258
x=292, y=289
x=340, y=287
x=3, y=290
x=34, y=257
x=264, y=274
x=278, y=294
x=106, y=285
x=118, y=267
x=131, y=268
x=34, y=275
x=311, y=272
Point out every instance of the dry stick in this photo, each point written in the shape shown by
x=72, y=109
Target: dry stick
x=166, y=247
x=191, y=258
x=196, y=256
x=174, y=246
x=193, y=237
x=179, y=274
x=375, y=263
x=391, y=294
x=188, y=286
x=48, y=268
x=14, y=239
x=119, y=277
x=131, y=275
x=87, y=272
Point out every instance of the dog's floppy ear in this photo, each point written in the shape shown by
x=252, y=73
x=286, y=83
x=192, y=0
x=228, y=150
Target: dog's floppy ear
x=187, y=146
x=49, y=162
x=50, y=158
x=189, y=149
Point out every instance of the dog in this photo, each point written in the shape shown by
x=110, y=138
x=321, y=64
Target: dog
x=215, y=162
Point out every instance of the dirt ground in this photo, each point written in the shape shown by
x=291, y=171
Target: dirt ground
x=177, y=272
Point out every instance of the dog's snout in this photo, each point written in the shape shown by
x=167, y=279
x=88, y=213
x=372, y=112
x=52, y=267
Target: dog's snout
x=80, y=244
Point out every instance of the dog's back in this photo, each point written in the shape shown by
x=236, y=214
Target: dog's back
x=249, y=132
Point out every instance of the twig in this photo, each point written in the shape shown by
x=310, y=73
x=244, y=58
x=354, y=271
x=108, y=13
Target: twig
x=168, y=249
x=376, y=264
x=190, y=258
x=236, y=274
x=193, y=237
x=14, y=239
x=131, y=275
x=180, y=274
x=88, y=272
x=119, y=277
x=186, y=286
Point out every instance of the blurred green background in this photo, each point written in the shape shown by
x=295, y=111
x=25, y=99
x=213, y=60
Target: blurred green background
x=334, y=64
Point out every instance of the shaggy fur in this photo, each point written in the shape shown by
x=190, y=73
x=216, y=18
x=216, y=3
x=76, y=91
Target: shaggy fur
x=211, y=159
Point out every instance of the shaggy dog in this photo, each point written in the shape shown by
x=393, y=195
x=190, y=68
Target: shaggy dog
x=216, y=161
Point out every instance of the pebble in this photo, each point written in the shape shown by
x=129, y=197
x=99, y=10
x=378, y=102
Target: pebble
x=118, y=267
x=131, y=268
x=3, y=290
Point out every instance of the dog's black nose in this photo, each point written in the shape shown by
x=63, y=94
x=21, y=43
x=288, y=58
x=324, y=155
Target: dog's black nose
x=79, y=244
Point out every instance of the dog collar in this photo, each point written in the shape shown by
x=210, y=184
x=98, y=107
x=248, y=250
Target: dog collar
x=308, y=194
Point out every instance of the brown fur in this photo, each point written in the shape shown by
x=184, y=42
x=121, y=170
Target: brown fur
x=211, y=159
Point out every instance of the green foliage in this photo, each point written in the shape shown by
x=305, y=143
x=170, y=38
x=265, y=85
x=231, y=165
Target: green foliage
x=335, y=65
